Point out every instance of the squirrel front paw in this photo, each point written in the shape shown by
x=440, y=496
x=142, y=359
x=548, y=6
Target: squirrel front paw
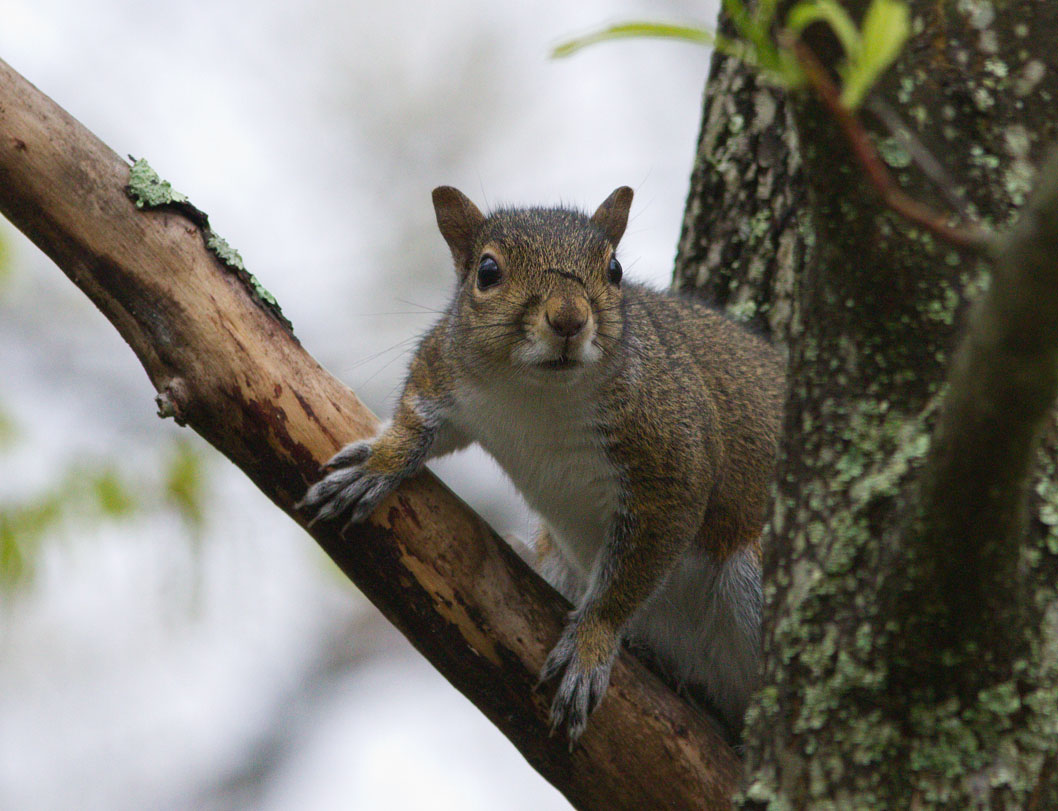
x=584, y=656
x=350, y=488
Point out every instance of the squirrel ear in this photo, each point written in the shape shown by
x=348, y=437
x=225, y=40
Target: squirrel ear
x=612, y=215
x=459, y=221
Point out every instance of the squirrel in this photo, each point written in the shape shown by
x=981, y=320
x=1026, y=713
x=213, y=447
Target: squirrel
x=641, y=426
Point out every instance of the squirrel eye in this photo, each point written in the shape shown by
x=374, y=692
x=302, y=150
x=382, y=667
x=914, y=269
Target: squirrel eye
x=614, y=271
x=488, y=273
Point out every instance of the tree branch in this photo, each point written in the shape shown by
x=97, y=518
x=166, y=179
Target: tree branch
x=234, y=373
x=1001, y=388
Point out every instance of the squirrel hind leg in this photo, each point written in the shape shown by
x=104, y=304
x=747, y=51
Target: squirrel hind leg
x=550, y=563
x=729, y=636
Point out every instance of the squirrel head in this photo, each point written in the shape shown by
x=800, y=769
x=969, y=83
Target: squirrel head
x=539, y=288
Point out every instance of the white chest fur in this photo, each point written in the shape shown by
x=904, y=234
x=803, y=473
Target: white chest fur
x=546, y=442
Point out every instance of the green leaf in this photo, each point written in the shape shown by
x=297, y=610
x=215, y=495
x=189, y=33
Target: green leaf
x=750, y=27
x=886, y=27
x=755, y=30
x=92, y=492
x=21, y=530
x=686, y=33
x=805, y=13
x=753, y=46
x=867, y=53
x=702, y=36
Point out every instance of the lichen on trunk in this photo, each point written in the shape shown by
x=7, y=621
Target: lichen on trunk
x=890, y=681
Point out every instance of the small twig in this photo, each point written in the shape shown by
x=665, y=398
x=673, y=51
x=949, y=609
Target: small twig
x=966, y=236
x=920, y=154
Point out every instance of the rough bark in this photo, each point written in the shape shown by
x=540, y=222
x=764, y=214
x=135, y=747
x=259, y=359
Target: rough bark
x=742, y=242
x=229, y=368
x=910, y=662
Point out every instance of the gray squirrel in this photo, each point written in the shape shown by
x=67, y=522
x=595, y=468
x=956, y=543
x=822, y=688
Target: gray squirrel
x=640, y=426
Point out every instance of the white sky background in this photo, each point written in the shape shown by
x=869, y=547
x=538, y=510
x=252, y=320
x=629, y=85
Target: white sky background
x=141, y=673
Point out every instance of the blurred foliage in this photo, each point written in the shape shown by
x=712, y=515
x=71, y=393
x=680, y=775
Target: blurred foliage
x=868, y=50
x=86, y=493
x=7, y=431
x=184, y=484
x=90, y=493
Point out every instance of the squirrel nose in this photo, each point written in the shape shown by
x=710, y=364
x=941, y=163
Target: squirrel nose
x=566, y=317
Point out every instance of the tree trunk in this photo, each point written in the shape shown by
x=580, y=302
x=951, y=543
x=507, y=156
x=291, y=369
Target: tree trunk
x=910, y=627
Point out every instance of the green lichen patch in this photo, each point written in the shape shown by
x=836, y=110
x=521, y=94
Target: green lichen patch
x=856, y=719
x=1002, y=736
x=882, y=447
x=147, y=190
x=227, y=254
x=231, y=257
x=742, y=310
x=894, y=153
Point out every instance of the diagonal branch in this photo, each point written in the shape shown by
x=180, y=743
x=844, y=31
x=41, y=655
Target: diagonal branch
x=1001, y=388
x=232, y=371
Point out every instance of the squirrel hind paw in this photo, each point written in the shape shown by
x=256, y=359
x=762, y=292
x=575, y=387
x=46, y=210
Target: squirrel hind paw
x=580, y=690
x=578, y=694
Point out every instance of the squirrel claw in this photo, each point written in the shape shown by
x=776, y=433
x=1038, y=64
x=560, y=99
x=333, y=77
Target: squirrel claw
x=355, y=453
x=348, y=489
x=582, y=685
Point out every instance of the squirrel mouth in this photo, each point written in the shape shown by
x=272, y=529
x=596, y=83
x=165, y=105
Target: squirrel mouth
x=564, y=362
